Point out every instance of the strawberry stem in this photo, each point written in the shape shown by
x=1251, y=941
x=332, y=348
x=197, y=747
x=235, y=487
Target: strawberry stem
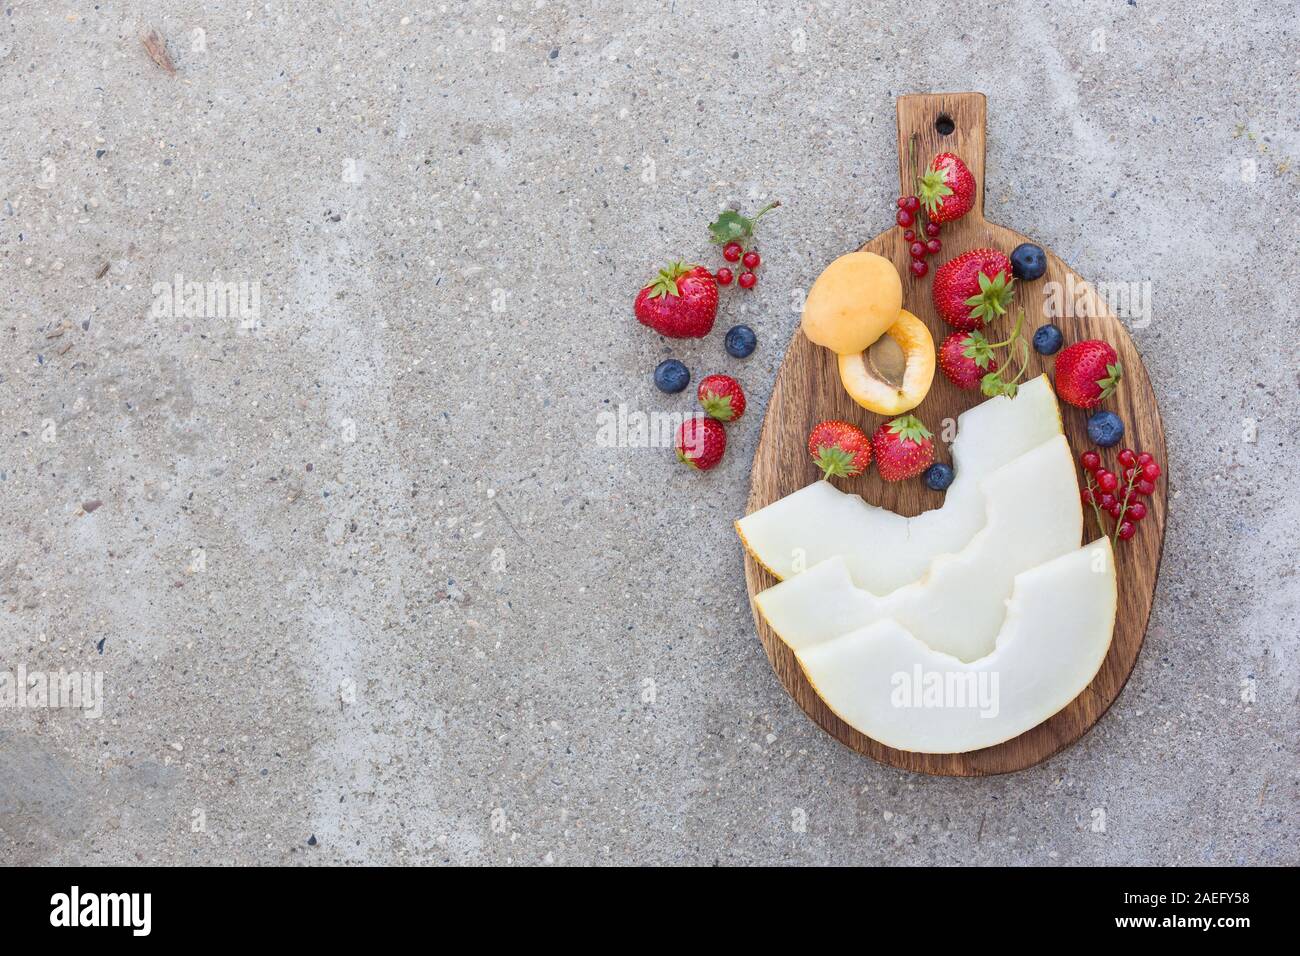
x=1024, y=361
x=994, y=383
x=1015, y=332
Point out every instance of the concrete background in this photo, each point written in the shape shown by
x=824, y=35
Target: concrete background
x=369, y=589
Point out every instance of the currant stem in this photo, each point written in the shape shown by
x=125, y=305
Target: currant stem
x=922, y=213
x=1092, y=487
x=911, y=159
x=1132, y=478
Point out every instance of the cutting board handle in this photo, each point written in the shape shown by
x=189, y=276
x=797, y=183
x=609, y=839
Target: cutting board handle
x=943, y=123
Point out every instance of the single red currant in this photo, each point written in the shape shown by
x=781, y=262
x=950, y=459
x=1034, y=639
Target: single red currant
x=1086, y=495
x=1126, y=530
x=731, y=251
x=1127, y=458
x=1144, y=458
x=750, y=260
x=911, y=204
x=1151, y=471
x=1116, y=510
x=919, y=268
x=932, y=229
x=1144, y=487
x=1136, y=511
x=917, y=249
x=904, y=218
x=747, y=280
x=1107, y=501
x=1090, y=460
x=908, y=235
x=902, y=202
x=1107, y=481
x=933, y=247
x=724, y=276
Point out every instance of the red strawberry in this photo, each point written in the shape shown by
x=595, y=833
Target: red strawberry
x=701, y=442
x=722, y=397
x=973, y=289
x=966, y=357
x=969, y=360
x=839, y=449
x=903, y=448
x=680, y=303
x=1087, y=372
x=947, y=189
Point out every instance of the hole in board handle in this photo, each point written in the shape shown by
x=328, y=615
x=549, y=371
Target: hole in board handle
x=944, y=125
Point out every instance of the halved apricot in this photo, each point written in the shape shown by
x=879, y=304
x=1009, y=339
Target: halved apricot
x=855, y=299
x=893, y=374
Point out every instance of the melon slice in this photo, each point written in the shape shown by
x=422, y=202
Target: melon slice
x=1034, y=515
x=890, y=686
x=885, y=550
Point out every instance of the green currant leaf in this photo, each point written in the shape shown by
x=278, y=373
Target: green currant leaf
x=731, y=226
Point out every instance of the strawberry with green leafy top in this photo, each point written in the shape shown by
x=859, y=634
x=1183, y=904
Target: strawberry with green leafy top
x=965, y=358
x=947, y=190
x=968, y=359
x=722, y=397
x=973, y=289
x=839, y=449
x=1087, y=373
x=680, y=303
x=903, y=448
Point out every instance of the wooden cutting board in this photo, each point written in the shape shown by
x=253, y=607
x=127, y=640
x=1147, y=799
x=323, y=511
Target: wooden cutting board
x=808, y=390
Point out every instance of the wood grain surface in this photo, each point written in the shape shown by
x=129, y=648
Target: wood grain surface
x=808, y=390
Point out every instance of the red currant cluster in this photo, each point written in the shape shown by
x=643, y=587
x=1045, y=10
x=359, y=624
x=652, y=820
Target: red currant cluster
x=921, y=235
x=1117, y=494
x=735, y=252
x=921, y=240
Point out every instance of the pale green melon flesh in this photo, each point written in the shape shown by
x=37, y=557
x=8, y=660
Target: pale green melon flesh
x=1057, y=632
x=884, y=550
x=958, y=606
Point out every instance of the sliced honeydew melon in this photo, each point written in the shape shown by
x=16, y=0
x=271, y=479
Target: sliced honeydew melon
x=885, y=550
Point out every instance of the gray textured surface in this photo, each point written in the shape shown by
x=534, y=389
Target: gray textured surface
x=502, y=147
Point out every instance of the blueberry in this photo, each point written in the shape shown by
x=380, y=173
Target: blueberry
x=1048, y=340
x=672, y=376
x=1105, y=429
x=1028, y=261
x=939, y=476
x=741, y=341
